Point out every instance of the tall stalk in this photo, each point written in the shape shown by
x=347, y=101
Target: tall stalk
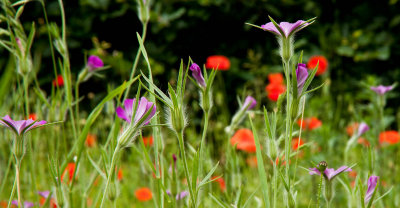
x=185, y=166
x=110, y=174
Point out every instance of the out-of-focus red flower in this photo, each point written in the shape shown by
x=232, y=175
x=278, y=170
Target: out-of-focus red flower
x=252, y=161
x=120, y=174
x=322, y=66
x=274, y=90
x=244, y=140
x=148, y=141
x=32, y=116
x=220, y=181
x=309, y=123
x=350, y=129
x=275, y=78
x=353, y=174
x=296, y=143
x=363, y=142
x=59, y=81
x=91, y=140
x=3, y=204
x=282, y=161
x=143, y=194
x=53, y=203
x=218, y=62
x=70, y=170
x=390, y=137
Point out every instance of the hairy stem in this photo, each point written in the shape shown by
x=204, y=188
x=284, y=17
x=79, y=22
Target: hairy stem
x=110, y=173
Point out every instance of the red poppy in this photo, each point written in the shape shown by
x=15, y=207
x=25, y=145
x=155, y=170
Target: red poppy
x=274, y=90
x=3, y=204
x=120, y=175
x=275, y=78
x=390, y=137
x=143, y=194
x=220, y=181
x=91, y=140
x=70, y=170
x=148, y=141
x=52, y=202
x=32, y=116
x=353, y=174
x=350, y=129
x=252, y=161
x=244, y=140
x=296, y=143
x=59, y=81
x=218, y=62
x=277, y=161
x=275, y=86
x=309, y=123
x=322, y=64
x=363, y=141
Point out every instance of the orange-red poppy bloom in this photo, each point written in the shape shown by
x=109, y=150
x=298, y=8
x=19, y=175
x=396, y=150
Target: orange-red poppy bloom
x=220, y=181
x=143, y=194
x=91, y=140
x=309, y=123
x=350, y=129
x=59, y=81
x=363, y=142
x=275, y=78
x=353, y=174
x=244, y=140
x=252, y=161
x=218, y=62
x=274, y=90
x=3, y=204
x=70, y=170
x=32, y=116
x=390, y=137
x=120, y=174
x=322, y=64
x=296, y=143
x=148, y=141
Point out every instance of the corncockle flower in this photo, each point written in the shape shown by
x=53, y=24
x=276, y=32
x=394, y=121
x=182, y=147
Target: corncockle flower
x=362, y=128
x=27, y=204
x=381, y=90
x=196, y=73
x=44, y=194
x=329, y=173
x=287, y=28
x=372, y=182
x=20, y=127
x=249, y=103
x=94, y=62
x=301, y=75
x=178, y=196
x=143, y=106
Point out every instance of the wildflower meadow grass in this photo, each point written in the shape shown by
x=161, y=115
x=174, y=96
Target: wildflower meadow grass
x=148, y=143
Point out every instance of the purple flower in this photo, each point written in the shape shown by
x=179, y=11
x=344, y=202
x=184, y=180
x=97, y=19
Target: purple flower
x=196, y=73
x=94, y=62
x=362, y=128
x=301, y=74
x=329, y=173
x=143, y=106
x=287, y=28
x=22, y=126
x=179, y=196
x=44, y=194
x=372, y=182
x=182, y=195
x=249, y=102
x=381, y=90
x=26, y=204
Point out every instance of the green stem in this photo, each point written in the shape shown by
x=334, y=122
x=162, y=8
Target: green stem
x=26, y=95
x=135, y=63
x=110, y=173
x=17, y=170
x=77, y=105
x=183, y=155
x=319, y=190
x=203, y=137
x=12, y=193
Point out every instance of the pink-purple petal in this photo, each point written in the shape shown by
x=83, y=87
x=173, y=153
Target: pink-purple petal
x=372, y=182
x=301, y=74
x=314, y=171
x=381, y=90
x=271, y=28
x=362, y=128
x=121, y=114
